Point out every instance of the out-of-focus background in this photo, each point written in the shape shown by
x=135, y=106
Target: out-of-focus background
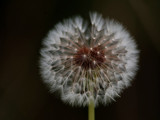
x=24, y=24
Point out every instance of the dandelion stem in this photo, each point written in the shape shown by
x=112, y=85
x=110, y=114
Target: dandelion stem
x=91, y=110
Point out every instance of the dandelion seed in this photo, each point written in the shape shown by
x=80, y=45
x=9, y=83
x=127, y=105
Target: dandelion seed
x=84, y=65
x=84, y=56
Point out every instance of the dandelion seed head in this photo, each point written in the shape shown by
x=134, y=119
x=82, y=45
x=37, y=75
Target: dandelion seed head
x=84, y=65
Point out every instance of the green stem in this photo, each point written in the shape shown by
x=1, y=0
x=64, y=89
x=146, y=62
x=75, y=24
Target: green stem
x=91, y=110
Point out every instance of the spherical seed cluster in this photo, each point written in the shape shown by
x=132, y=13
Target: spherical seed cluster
x=84, y=62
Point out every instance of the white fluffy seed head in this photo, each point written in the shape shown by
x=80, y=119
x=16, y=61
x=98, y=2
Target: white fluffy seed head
x=84, y=65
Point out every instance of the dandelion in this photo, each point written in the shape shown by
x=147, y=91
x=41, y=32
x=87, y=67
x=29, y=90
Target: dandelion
x=88, y=63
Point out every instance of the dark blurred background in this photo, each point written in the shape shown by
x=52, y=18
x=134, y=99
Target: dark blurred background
x=23, y=25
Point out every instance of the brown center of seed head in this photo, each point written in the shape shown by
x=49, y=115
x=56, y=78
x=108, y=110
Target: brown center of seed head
x=89, y=58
